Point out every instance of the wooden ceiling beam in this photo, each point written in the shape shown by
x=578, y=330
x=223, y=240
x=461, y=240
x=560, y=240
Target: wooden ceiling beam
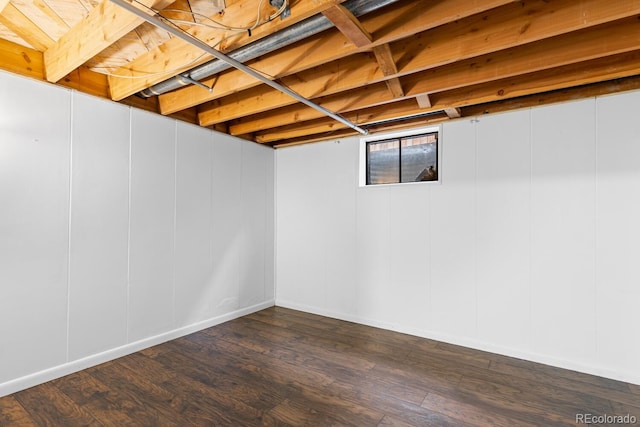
x=424, y=101
x=370, y=95
x=572, y=93
x=443, y=49
x=21, y=60
x=406, y=108
x=330, y=46
x=602, y=40
x=103, y=26
x=452, y=112
x=318, y=130
x=584, y=73
x=12, y=18
x=310, y=84
x=30, y=63
x=395, y=87
x=388, y=66
x=569, y=94
x=348, y=25
x=175, y=56
x=589, y=72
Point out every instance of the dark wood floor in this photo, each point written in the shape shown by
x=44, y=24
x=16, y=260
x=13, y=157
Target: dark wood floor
x=283, y=367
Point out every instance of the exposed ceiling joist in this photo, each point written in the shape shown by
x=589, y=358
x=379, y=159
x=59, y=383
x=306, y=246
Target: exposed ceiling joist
x=388, y=66
x=402, y=62
x=423, y=101
x=601, y=40
x=348, y=25
x=21, y=60
x=328, y=47
x=452, y=112
x=184, y=36
x=382, y=113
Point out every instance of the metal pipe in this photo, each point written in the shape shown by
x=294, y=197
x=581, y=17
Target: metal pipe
x=232, y=62
x=308, y=27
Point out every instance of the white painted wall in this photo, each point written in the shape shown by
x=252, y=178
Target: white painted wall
x=528, y=247
x=120, y=229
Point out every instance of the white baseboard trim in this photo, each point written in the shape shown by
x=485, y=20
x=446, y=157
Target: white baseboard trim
x=43, y=376
x=602, y=371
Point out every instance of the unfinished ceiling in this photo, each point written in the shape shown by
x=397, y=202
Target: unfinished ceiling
x=379, y=64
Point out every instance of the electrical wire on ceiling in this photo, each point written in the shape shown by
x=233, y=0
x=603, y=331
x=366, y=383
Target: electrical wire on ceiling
x=220, y=26
x=147, y=74
x=140, y=74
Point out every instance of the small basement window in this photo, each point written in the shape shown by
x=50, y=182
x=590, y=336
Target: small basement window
x=407, y=157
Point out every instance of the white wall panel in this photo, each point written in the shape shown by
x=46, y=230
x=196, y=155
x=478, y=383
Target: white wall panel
x=34, y=218
x=270, y=230
x=503, y=232
x=300, y=244
x=452, y=230
x=193, y=293
x=409, y=255
x=339, y=178
x=151, y=266
x=226, y=227
x=372, y=239
x=99, y=226
x=618, y=231
x=563, y=230
x=510, y=237
x=254, y=217
x=94, y=260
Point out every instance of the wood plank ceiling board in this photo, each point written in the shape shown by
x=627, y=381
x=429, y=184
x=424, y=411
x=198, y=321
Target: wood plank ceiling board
x=23, y=27
x=43, y=17
x=72, y=11
x=7, y=34
x=60, y=23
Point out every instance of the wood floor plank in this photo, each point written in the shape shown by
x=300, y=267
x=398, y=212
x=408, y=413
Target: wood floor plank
x=12, y=413
x=47, y=406
x=469, y=413
x=624, y=396
x=225, y=395
x=281, y=367
x=104, y=403
x=512, y=399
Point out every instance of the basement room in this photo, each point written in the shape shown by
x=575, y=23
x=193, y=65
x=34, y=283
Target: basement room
x=319, y=213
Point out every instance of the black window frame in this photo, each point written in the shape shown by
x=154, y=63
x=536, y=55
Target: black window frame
x=399, y=139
